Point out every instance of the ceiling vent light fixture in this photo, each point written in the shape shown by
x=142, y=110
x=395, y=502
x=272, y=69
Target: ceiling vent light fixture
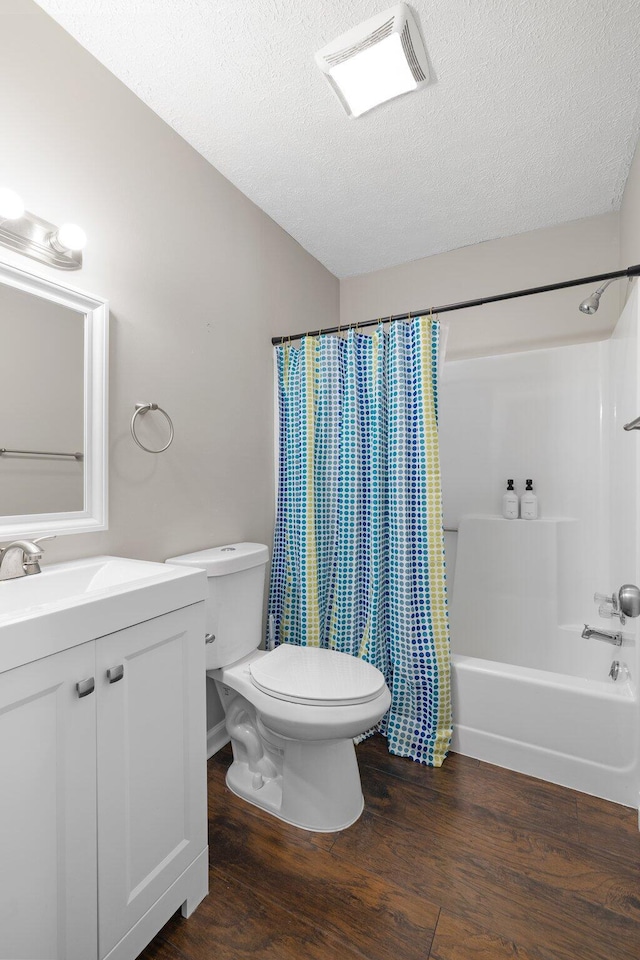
x=380, y=59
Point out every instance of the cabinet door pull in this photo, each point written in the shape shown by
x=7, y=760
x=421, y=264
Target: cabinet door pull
x=85, y=687
x=209, y=637
x=115, y=673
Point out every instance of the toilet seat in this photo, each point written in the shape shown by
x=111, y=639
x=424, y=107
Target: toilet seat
x=316, y=676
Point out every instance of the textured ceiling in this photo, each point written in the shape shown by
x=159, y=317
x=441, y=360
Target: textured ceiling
x=531, y=121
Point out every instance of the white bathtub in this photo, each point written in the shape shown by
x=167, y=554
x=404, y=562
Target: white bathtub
x=529, y=692
x=569, y=730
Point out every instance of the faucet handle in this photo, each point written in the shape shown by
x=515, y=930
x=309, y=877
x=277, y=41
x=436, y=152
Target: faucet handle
x=607, y=605
x=606, y=611
x=32, y=560
x=624, y=603
x=606, y=598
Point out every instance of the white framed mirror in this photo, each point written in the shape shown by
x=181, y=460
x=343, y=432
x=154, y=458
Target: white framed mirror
x=53, y=407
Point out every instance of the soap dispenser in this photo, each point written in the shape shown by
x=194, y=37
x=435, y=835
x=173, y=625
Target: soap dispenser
x=529, y=503
x=510, y=503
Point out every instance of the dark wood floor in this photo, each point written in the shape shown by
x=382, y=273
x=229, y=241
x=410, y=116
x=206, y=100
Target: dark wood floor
x=468, y=862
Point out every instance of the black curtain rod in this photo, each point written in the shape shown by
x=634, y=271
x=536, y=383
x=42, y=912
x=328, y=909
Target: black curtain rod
x=463, y=305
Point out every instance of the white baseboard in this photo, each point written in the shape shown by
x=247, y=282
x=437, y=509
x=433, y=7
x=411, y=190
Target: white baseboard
x=217, y=738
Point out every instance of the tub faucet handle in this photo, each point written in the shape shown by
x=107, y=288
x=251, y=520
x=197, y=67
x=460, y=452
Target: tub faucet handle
x=608, y=605
x=624, y=603
x=605, y=598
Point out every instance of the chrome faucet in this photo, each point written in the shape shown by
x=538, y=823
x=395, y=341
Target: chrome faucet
x=21, y=558
x=609, y=636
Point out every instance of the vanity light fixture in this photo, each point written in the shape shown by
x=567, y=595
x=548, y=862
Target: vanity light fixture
x=68, y=237
x=376, y=61
x=36, y=238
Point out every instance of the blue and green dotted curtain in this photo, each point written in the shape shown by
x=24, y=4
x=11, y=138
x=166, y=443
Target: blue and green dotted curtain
x=358, y=562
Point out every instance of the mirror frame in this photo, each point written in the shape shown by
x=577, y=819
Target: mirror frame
x=96, y=343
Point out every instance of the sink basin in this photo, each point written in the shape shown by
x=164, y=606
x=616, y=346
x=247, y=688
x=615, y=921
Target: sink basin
x=70, y=603
x=65, y=583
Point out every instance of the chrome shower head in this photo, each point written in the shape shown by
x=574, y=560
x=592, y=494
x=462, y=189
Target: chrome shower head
x=591, y=304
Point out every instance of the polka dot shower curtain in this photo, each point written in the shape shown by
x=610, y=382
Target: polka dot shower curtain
x=358, y=562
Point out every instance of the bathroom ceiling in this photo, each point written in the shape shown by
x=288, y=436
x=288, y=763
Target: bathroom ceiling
x=531, y=120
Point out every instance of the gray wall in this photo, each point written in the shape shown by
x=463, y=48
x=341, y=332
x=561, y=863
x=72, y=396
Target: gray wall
x=576, y=249
x=198, y=280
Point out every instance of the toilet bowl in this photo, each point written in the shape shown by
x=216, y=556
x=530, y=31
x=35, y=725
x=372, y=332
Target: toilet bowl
x=292, y=712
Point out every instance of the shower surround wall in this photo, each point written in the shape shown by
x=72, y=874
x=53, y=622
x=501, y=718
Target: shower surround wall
x=529, y=692
x=536, y=414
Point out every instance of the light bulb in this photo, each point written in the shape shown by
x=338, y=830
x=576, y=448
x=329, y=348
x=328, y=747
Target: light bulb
x=11, y=205
x=69, y=237
x=379, y=73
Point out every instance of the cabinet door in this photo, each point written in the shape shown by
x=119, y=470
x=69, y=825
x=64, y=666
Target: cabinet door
x=152, y=819
x=48, y=896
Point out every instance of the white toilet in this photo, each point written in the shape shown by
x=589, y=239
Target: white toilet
x=291, y=713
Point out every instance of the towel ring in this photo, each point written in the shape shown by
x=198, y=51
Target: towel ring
x=141, y=409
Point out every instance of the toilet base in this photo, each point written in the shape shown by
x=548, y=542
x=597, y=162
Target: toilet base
x=317, y=787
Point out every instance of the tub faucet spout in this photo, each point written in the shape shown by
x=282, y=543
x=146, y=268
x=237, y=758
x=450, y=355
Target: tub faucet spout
x=608, y=636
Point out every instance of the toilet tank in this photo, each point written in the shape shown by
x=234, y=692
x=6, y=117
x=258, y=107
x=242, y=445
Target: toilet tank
x=235, y=575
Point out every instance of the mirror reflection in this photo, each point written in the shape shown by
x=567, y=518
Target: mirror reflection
x=41, y=405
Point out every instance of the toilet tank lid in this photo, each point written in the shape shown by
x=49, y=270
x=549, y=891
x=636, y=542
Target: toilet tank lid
x=229, y=558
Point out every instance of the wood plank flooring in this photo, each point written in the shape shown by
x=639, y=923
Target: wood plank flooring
x=467, y=862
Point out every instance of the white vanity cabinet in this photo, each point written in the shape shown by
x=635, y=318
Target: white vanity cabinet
x=48, y=857
x=103, y=826
x=152, y=768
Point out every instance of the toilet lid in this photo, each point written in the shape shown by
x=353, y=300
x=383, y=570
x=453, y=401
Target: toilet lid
x=316, y=676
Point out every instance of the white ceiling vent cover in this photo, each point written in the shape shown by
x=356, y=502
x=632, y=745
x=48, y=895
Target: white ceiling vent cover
x=380, y=59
